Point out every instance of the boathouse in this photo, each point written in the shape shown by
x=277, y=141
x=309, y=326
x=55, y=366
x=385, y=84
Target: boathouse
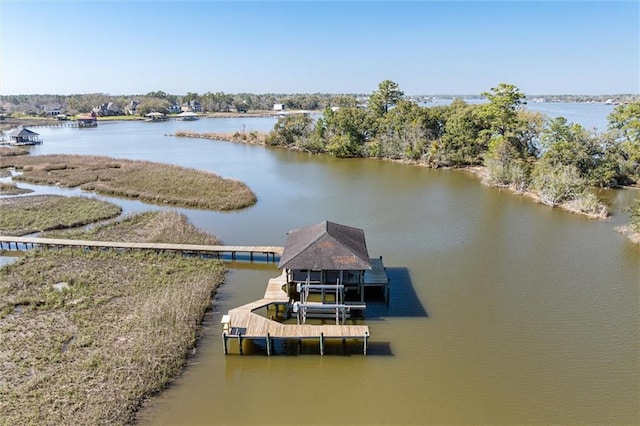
x=154, y=116
x=324, y=255
x=23, y=136
x=87, y=120
x=321, y=266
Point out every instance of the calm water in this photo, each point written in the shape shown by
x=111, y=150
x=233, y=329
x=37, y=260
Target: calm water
x=502, y=311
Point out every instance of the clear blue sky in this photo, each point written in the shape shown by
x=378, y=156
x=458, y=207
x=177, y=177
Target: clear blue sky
x=427, y=47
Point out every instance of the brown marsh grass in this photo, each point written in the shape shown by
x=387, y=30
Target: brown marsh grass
x=86, y=336
x=9, y=151
x=151, y=227
x=12, y=189
x=257, y=138
x=33, y=213
x=143, y=180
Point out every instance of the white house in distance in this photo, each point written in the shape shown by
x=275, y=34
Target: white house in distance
x=278, y=107
x=191, y=106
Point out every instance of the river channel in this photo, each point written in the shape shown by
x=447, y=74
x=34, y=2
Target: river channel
x=502, y=311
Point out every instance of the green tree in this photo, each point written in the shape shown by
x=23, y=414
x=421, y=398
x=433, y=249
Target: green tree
x=505, y=165
x=501, y=110
x=405, y=132
x=461, y=142
x=158, y=94
x=346, y=131
x=148, y=105
x=504, y=118
x=291, y=130
x=625, y=119
x=387, y=95
x=344, y=102
x=190, y=96
x=624, y=125
x=597, y=158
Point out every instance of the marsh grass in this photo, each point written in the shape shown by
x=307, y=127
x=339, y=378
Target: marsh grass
x=28, y=214
x=152, y=227
x=251, y=137
x=116, y=332
x=12, y=189
x=149, y=182
x=9, y=151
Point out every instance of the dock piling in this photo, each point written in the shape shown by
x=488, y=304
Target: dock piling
x=268, y=344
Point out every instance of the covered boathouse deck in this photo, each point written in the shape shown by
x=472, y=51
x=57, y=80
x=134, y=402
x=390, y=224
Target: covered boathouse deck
x=242, y=323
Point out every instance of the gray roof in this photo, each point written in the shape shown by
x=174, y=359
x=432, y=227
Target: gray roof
x=21, y=132
x=326, y=246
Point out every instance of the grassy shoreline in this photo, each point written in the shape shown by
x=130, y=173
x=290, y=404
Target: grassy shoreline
x=255, y=138
x=87, y=336
x=35, y=213
x=156, y=183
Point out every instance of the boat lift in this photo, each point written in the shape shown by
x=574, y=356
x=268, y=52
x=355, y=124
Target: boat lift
x=339, y=309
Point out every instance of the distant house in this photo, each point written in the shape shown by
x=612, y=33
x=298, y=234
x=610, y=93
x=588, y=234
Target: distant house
x=52, y=110
x=174, y=109
x=132, y=107
x=192, y=106
x=278, y=107
x=106, y=109
x=23, y=136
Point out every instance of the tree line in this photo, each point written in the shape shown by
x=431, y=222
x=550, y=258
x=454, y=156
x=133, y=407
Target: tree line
x=34, y=105
x=559, y=161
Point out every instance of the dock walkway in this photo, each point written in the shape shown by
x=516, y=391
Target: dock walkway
x=242, y=323
x=217, y=251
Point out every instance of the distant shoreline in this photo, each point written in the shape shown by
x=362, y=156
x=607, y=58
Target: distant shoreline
x=10, y=123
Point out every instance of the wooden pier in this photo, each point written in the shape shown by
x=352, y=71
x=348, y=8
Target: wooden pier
x=377, y=277
x=65, y=123
x=243, y=324
x=222, y=252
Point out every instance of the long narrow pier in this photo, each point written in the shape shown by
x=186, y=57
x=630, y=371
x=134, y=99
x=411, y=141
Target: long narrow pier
x=242, y=323
x=223, y=252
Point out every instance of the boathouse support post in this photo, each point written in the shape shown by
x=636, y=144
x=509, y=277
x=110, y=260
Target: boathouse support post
x=268, y=344
x=321, y=343
x=224, y=343
x=386, y=291
x=366, y=337
x=240, y=343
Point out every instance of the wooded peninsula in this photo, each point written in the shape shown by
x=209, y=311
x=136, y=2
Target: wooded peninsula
x=552, y=160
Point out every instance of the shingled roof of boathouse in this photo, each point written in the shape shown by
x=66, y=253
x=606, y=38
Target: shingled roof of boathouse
x=21, y=132
x=326, y=246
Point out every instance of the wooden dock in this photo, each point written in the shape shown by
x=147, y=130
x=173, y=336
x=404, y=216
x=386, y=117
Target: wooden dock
x=222, y=252
x=242, y=323
x=377, y=277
